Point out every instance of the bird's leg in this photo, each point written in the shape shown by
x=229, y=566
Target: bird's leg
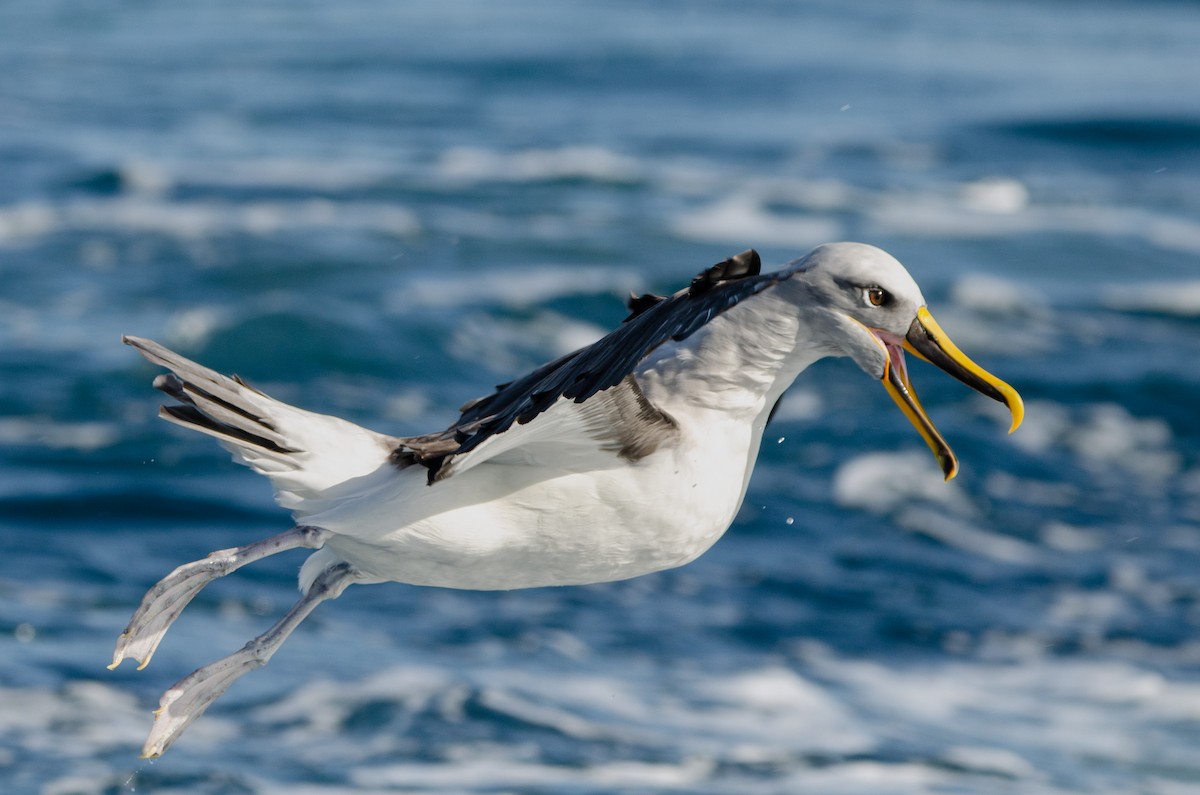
x=163, y=603
x=187, y=699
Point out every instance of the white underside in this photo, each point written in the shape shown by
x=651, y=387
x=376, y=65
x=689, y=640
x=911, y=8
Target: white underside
x=506, y=524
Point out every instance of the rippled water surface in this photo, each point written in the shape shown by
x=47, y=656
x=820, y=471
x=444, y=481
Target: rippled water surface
x=382, y=209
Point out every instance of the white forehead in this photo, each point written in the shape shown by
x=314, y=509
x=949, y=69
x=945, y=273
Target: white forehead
x=863, y=264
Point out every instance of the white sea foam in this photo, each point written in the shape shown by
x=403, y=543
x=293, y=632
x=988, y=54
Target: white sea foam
x=950, y=214
x=997, y=195
x=1039, y=704
x=743, y=217
x=484, y=769
x=988, y=293
x=405, y=404
x=142, y=176
x=75, y=725
x=1104, y=437
x=746, y=212
x=509, y=345
x=198, y=219
x=776, y=707
x=522, y=288
x=999, y=761
x=968, y=536
x=1174, y=298
x=991, y=207
x=45, y=432
x=908, y=484
x=192, y=327
x=27, y=220
x=471, y=164
x=1045, y=424
x=334, y=173
x=1109, y=438
x=883, y=482
x=1069, y=538
x=1089, y=613
x=969, y=722
x=1042, y=493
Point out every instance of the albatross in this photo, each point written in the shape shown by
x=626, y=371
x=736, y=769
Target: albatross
x=630, y=455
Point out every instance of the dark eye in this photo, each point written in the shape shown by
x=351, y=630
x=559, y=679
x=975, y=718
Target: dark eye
x=877, y=296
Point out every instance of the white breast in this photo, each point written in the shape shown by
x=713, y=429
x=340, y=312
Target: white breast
x=502, y=526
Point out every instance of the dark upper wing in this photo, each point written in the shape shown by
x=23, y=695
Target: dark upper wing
x=601, y=365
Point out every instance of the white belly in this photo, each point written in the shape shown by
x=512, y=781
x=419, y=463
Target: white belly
x=502, y=526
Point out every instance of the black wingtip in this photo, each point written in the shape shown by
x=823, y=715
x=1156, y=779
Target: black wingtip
x=748, y=263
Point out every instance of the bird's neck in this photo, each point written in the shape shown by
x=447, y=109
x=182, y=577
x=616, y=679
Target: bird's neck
x=740, y=363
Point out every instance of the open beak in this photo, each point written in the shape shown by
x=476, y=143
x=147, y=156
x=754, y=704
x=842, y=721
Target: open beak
x=926, y=340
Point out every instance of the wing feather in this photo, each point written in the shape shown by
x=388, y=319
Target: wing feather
x=582, y=375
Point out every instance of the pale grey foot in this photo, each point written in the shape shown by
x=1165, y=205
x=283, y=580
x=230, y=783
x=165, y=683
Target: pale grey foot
x=163, y=603
x=187, y=699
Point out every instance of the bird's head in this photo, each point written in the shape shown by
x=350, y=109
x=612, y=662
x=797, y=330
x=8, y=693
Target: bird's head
x=872, y=312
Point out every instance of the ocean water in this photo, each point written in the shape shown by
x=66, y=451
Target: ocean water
x=382, y=209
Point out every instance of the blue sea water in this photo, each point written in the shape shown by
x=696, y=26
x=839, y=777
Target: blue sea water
x=382, y=209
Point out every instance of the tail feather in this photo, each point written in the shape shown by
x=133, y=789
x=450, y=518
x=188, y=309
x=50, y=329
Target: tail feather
x=219, y=417
x=303, y=453
x=195, y=418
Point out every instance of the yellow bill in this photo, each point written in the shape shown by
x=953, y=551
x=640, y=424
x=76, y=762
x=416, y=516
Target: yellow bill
x=926, y=340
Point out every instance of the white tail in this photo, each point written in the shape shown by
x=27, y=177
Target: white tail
x=304, y=454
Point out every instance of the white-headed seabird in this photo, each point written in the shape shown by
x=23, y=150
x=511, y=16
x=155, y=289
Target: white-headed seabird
x=628, y=456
